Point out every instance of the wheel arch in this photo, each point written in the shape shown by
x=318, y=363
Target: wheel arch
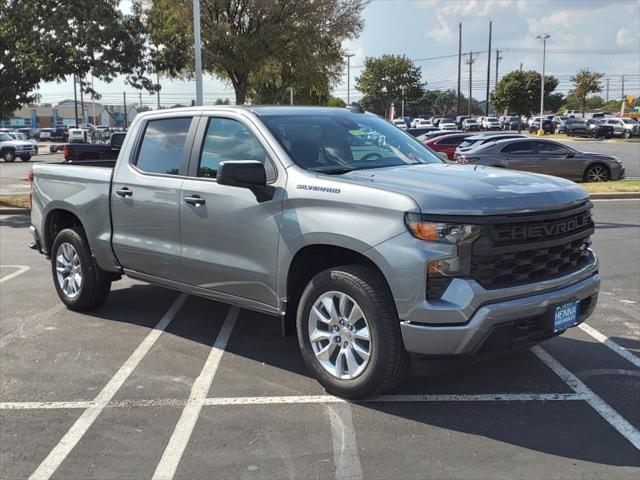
x=56, y=220
x=594, y=164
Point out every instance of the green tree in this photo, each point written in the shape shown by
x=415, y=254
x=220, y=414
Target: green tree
x=595, y=101
x=519, y=92
x=336, y=102
x=243, y=41
x=47, y=41
x=586, y=82
x=388, y=79
x=220, y=101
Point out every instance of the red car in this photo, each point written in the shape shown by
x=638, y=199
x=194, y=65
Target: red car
x=448, y=143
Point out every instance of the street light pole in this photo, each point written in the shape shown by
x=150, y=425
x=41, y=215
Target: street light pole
x=349, y=55
x=544, y=38
x=402, y=107
x=198, y=51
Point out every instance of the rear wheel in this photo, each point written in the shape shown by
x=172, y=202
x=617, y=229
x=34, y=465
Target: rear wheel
x=627, y=134
x=597, y=173
x=80, y=283
x=349, y=333
x=25, y=158
x=9, y=156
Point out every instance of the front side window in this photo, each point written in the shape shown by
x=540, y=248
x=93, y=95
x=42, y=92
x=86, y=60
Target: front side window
x=162, y=147
x=340, y=142
x=552, y=148
x=228, y=140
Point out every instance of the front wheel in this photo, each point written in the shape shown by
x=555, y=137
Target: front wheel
x=597, y=173
x=349, y=332
x=627, y=134
x=25, y=158
x=80, y=283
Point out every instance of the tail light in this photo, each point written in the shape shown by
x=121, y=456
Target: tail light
x=30, y=179
x=65, y=152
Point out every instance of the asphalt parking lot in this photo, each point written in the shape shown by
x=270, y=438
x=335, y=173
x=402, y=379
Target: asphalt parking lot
x=158, y=385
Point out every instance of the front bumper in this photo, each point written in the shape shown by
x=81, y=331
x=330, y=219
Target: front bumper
x=497, y=324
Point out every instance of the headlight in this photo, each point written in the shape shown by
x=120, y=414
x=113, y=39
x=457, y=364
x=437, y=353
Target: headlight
x=442, y=270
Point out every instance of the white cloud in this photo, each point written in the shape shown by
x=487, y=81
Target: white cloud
x=626, y=36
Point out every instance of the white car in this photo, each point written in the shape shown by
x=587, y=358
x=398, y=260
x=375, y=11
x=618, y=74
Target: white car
x=421, y=123
x=447, y=124
x=10, y=149
x=24, y=138
x=490, y=123
x=400, y=123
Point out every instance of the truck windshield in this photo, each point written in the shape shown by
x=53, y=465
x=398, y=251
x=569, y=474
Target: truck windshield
x=341, y=142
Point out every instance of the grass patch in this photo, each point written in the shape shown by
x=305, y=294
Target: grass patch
x=609, y=187
x=15, y=201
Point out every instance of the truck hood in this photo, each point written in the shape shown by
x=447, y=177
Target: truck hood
x=451, y=189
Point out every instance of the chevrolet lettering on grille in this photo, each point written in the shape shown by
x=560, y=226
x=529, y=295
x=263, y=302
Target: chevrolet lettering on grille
x=522, y=233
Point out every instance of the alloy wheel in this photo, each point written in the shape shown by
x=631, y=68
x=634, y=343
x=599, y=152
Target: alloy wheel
x=339, y=335
x=68, y=270
x=597, y=174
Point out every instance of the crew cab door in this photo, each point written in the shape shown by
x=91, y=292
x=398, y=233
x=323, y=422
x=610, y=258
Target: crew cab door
x=520, y=155
x=230, y=234
x=145, y=197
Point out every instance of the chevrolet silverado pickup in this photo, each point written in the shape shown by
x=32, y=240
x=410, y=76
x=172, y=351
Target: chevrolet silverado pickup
x=356, y=236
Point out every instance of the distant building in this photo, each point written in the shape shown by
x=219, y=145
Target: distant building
x=63, y=115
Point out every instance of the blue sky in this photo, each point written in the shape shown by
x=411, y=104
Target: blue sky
x=597, y=34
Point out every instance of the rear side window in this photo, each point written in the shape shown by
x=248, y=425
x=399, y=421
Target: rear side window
x=229, y=140
x=450, y=141
x=519, y=147
x=162, y=145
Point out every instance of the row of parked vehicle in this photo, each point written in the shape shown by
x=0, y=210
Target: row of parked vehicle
x=521, y=152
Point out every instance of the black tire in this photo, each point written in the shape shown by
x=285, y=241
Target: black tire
x=588, y=173
x=9, y=156
x=627, y=134
x=96, y=284
x=25, y=158
x=388, y=359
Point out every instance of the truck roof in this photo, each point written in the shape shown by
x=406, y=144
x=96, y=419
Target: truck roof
x=256, y=109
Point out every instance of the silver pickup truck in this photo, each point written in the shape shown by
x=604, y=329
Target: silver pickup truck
x=349, y=230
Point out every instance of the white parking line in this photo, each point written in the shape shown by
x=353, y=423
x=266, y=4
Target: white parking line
x=616, y=420
x=44, y=405
x=82, y=424
x=20, y=271
x=345, y=446
x=166, y=469
x=602, y=338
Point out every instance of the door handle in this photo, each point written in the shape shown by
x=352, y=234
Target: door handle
x=194, y=200
x=124, y=192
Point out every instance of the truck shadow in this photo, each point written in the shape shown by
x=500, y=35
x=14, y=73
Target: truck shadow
x=258, y=361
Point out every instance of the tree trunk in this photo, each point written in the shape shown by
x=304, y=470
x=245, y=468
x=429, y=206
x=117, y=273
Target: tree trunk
x=239, y=82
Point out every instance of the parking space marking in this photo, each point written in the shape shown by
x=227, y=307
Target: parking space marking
x=168, y=464
x=602, y=338
x=20, y=271
x=616, y=420
x=345, y=446
x=43, y=405
x=55, y=458
x=38, y=319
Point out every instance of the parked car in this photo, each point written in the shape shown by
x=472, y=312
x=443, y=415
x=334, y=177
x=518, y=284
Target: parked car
x=421, y=123
x=547, y=125
x=74, y=152
x=447, y=124
x=17, y=135
x=400, y=123
x=460, y=120
x=558, y=123
x=575, y=127
x=44, y=134
x=511, y=122
x=624, y=127
x=425, y=137
x=447, y=143
x=416, y=132
x=490, y=123
x=10, y=148
x=470, y=125
x=79, y=135
x=546, y=156
x=193, y=189
x=599, y=128
x=475, y=141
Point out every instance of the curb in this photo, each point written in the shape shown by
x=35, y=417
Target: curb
x=14, y=211
x=614, y=195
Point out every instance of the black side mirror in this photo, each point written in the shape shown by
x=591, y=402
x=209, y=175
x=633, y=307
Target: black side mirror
x=242, y=173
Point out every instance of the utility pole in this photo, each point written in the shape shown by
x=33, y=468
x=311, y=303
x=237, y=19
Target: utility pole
x=498, y=58
x=470, y=61
x=81, y=103
x=93, y=101
x=198, y=51
x=75, y=102
x=622, y=94
x=607, y=89
x=520, y=66
x=158, y=92
x=544, y=38
x=126, y=120
x=402, y=105
x=459, y=66
x=349, y=55
x=486, y=105
x=290, y=95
